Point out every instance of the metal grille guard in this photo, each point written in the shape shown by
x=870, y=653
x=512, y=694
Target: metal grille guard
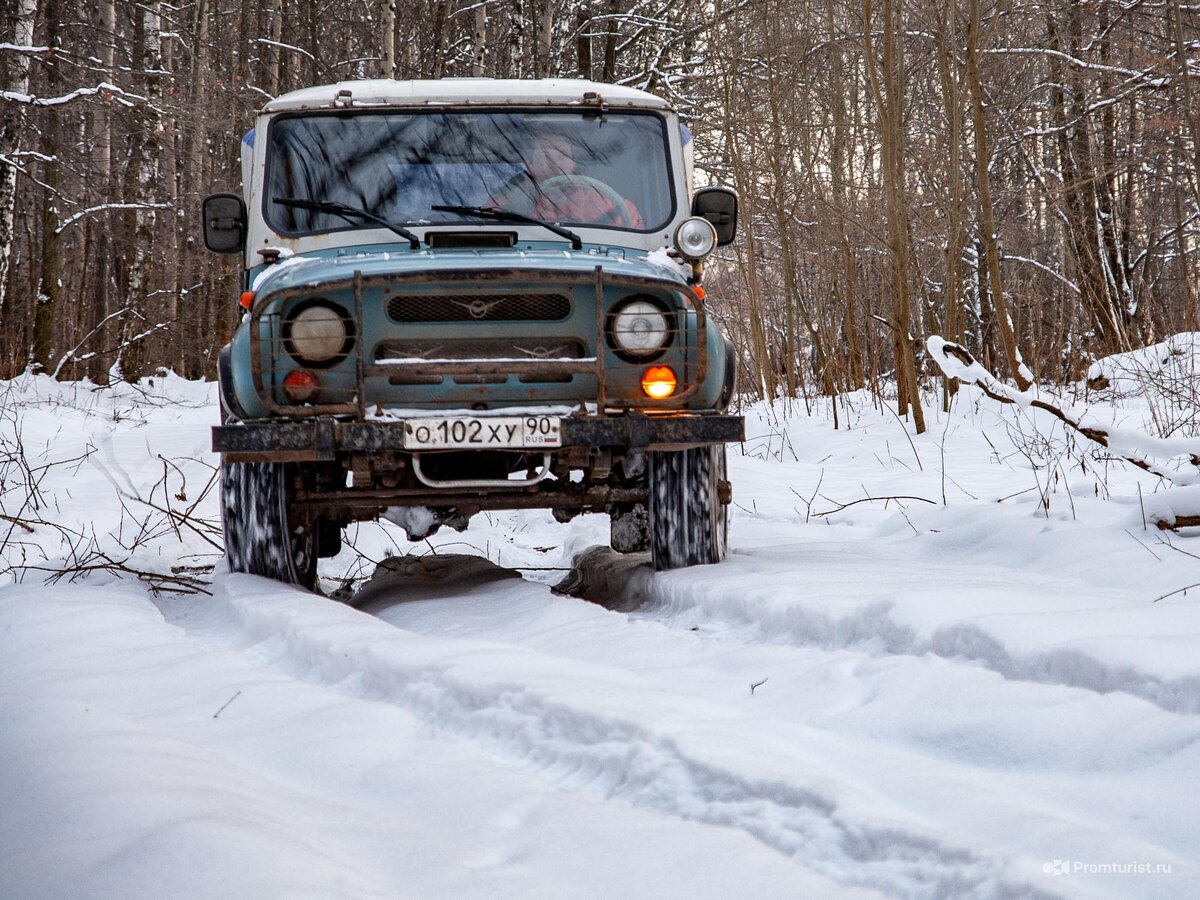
x=692, y=376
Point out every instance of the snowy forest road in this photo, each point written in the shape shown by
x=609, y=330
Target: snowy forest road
x=860, y=756
x=973, y=697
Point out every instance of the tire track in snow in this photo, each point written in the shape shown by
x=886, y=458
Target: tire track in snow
x=871, y=629
x=575, y=748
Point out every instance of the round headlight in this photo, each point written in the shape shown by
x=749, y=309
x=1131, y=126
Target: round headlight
x=695, y=238
x=640, y=328
x=317, y=334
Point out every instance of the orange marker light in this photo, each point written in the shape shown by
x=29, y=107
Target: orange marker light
x=699, y=289
x=247, y=299
x=659, y=382
x=300, y=386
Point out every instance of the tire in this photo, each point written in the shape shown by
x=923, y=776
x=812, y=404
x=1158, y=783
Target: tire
x=688, y=521
x=262, y=536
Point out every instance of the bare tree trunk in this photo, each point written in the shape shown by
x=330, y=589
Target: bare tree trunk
x=194, y=180
x=760, y=358
x=889, y=99
x=840, y=145
x=987, y=217
x=546, y=36
x=479, y=40
x=780, y=162
x=245, y=50
x=610, y=42
x=106, y=186
x=1190, y=113
x=388, y=26
x=583, y=41
x=103, y=155
x=1079, y=175
x=49, y=278
x=10, y=138
x=170, y=352
x=274, y=53
x=956, y=233
x=146, y=175
x=441, y=14
x=1192, y=320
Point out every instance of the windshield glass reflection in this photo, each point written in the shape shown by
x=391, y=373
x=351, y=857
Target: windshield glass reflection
x=601, y=171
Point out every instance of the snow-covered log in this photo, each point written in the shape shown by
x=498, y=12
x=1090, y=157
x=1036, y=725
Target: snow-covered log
x=1175, y=508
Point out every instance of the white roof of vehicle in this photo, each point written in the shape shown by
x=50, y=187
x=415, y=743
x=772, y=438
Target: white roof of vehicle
x=482, y=91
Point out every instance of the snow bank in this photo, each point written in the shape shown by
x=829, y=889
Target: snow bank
x=1173, y=363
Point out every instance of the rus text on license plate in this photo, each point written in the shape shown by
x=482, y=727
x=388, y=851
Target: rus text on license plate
x=482, y=433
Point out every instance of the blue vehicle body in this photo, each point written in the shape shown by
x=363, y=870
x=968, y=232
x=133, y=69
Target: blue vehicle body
x=400, y=357
x=388, y=273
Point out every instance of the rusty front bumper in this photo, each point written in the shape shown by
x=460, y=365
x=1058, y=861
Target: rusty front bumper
x=325, y=439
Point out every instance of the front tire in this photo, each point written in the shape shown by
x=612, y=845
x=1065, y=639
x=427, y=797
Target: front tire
x=688, y=521
x=262, y=534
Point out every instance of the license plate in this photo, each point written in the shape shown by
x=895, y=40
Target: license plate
x=481, y=433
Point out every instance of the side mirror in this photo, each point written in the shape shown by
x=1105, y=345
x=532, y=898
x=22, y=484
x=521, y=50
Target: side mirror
x=224, y=223
x=720, y=206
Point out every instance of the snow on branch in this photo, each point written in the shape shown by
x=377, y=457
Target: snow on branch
x=104, y=206
x=1145, y=76
x=284, y=46
x=11, y=160
x=1045, y=268
x=104, y=90
x=1135, y=447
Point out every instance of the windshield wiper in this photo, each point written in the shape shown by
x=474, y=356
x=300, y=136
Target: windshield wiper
x=507, y=215
x=350, y=213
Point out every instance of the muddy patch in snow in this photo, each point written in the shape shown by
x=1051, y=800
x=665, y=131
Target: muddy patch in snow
x=399, y=579
x=617, y=581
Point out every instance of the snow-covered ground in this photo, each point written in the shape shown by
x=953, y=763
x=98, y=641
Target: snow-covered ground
x=968, y=692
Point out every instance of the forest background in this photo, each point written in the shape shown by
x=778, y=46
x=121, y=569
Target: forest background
x=1021, y=177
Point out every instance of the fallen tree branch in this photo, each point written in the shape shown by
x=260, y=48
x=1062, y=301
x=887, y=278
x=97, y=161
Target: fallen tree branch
x=18, y=522
x=1182, y=590
x=840, y=506
x=957, y=362
x=1134, y=448
x=96, y=560
x=1178, y=522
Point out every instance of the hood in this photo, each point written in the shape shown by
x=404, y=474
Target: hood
x=314, y=271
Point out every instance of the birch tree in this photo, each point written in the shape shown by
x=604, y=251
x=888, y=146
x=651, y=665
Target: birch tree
x=17, y=55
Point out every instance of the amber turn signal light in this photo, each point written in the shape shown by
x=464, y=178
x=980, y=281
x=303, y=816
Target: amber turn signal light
x=247, y=299
x=300, y=386
x=659, y=382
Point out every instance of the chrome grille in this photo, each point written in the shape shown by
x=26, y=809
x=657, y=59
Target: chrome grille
x=544, y=307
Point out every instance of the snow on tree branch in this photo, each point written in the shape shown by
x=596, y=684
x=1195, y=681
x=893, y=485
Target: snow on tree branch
x=1135, y=447
x=104, y=89
x=105, y=206
x=1147, y=77
x=19, y=48
x=283, y=46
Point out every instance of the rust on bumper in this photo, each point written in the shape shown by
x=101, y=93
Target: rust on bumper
x=325, y=439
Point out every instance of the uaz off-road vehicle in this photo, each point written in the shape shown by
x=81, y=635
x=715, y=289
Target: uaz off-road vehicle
x=464, y=295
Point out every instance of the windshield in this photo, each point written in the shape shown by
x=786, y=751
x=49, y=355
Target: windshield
x=572, y=168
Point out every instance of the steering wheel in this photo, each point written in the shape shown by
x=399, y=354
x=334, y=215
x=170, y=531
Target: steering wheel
x=563, y=183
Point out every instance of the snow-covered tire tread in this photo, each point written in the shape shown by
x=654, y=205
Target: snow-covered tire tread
x=688, y=522
x=260, y=536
